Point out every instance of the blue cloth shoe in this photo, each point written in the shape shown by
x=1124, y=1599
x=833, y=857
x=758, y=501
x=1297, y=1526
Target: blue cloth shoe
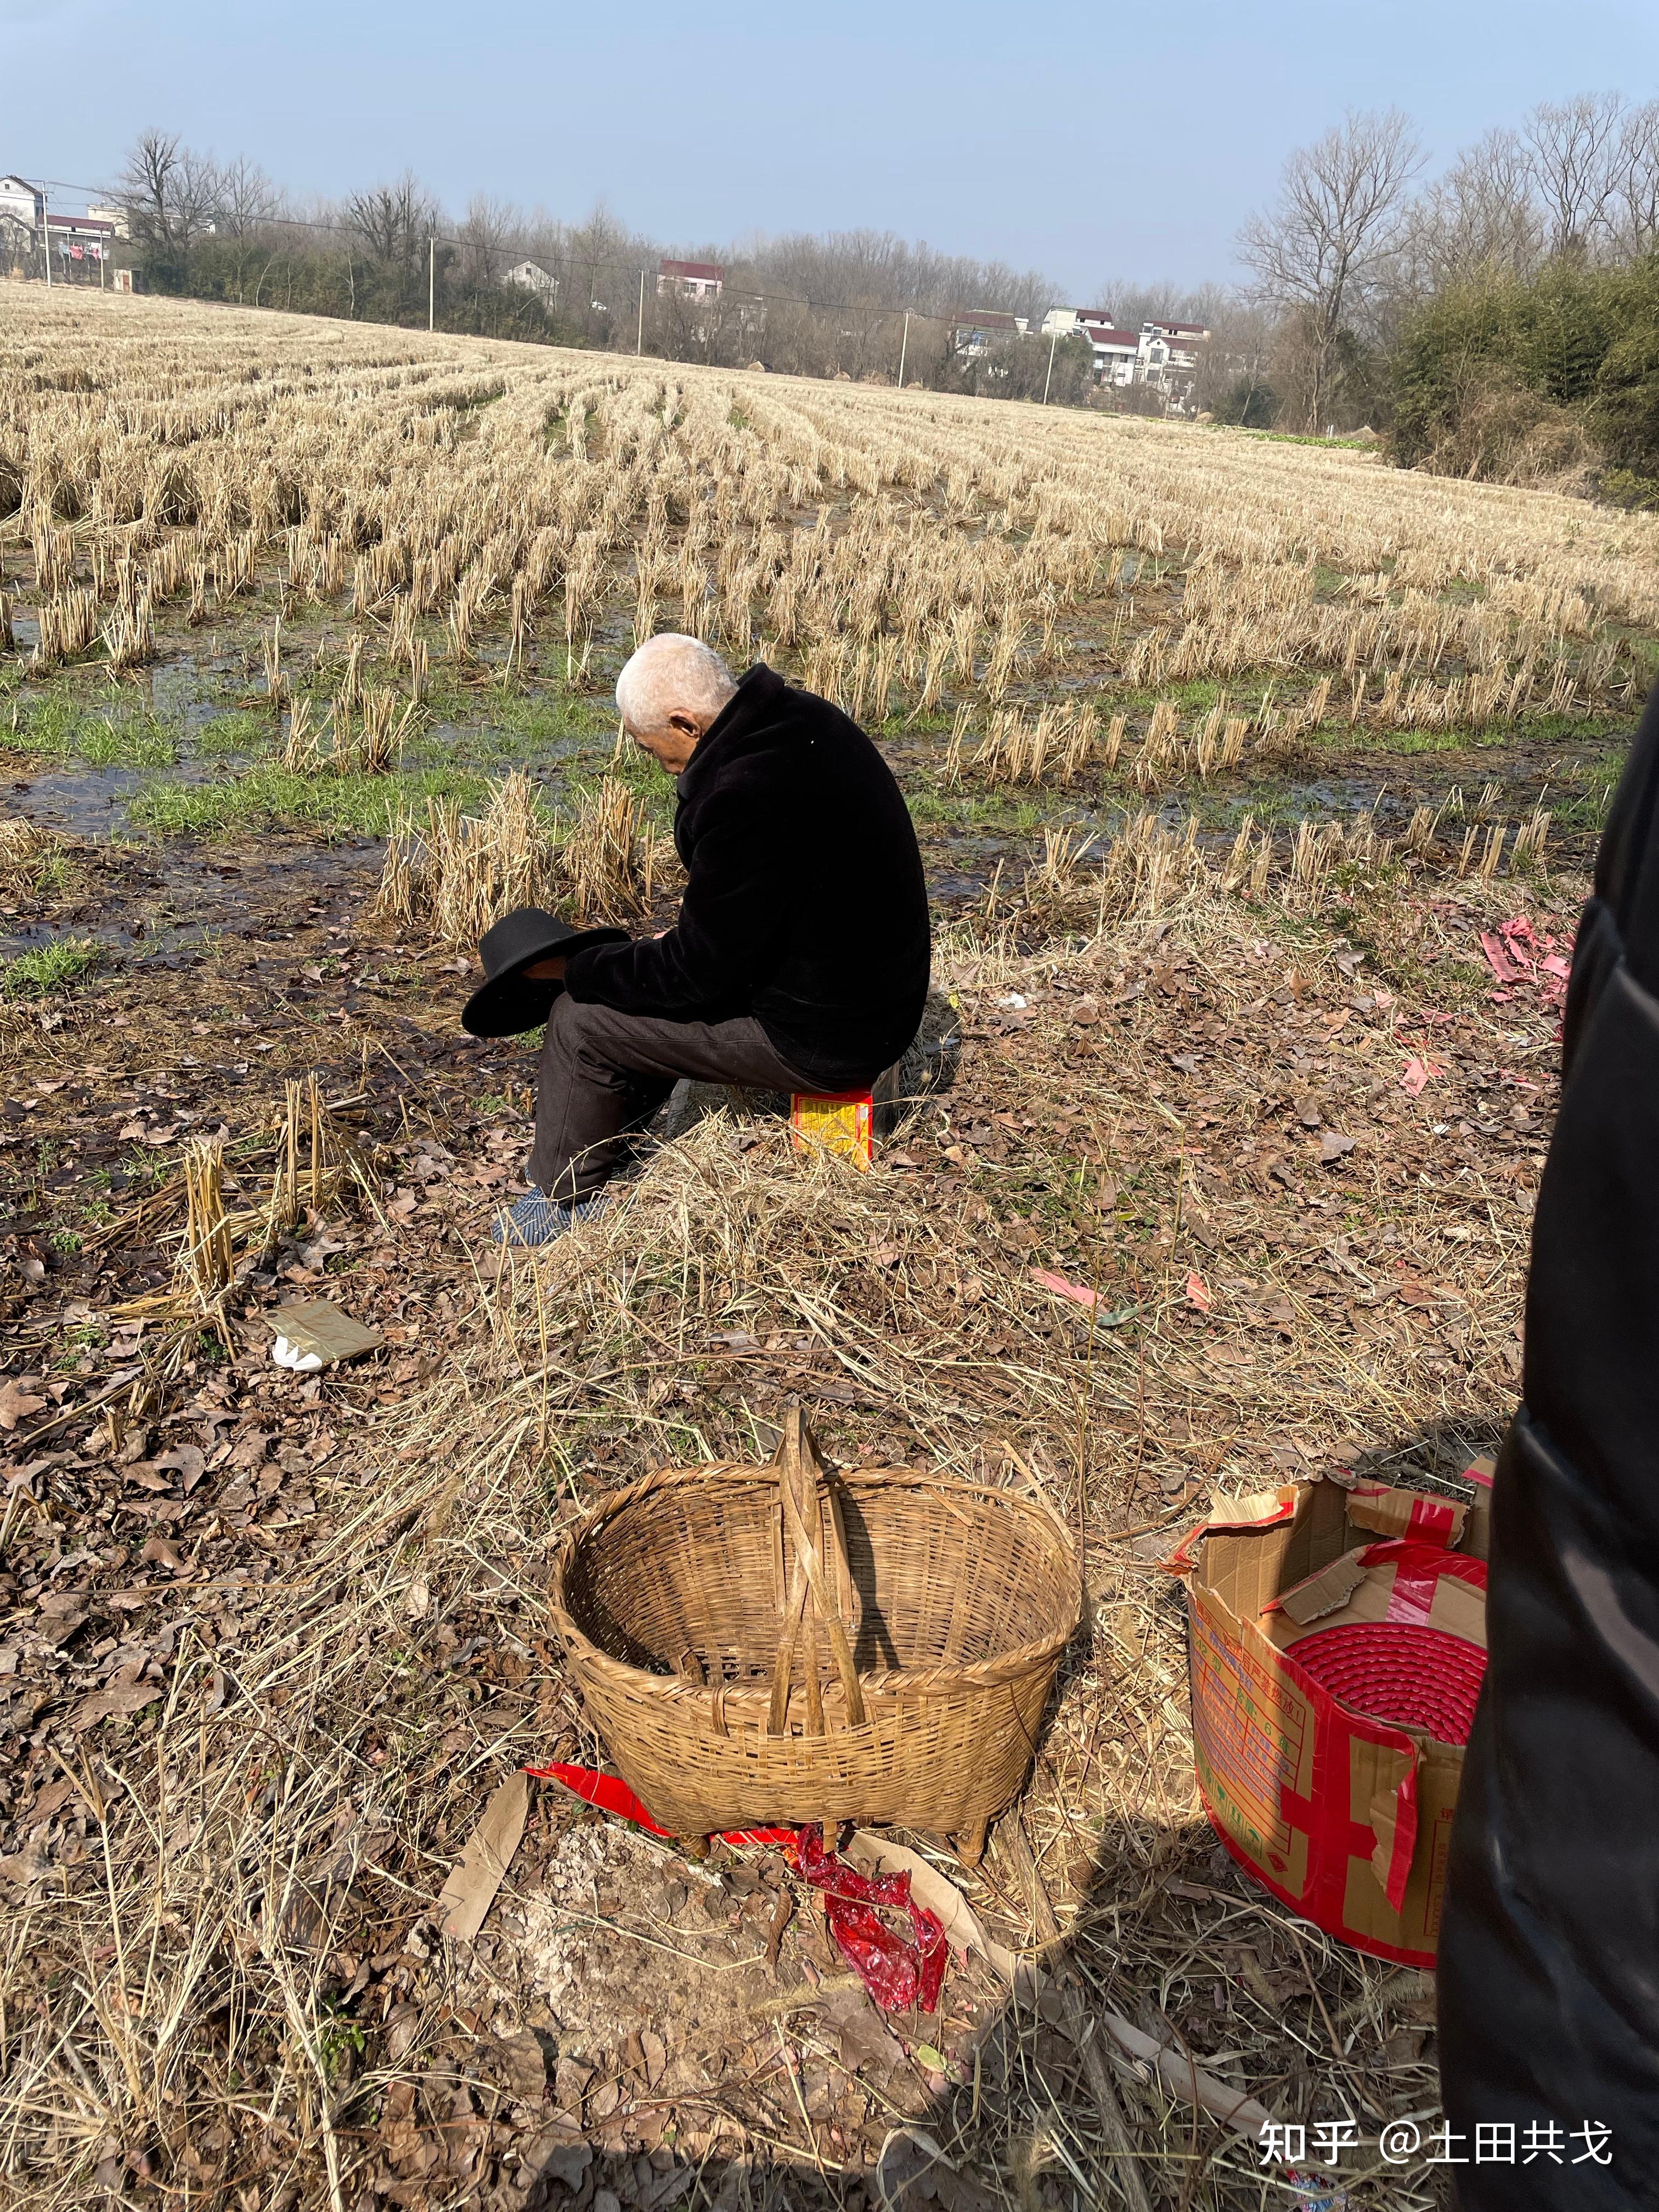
x=537, y=1219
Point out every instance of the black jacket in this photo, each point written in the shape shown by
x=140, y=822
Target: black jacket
x=805, y=905
x=1549, y=1956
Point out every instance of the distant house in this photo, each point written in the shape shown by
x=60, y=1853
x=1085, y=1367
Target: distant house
x=1066, y=322
x=693, y=280
x=1163, y=355
x=1168, y=357
x=79, y=242
x=530, y=276
x=76, y=241
x=117, y=218
x=972, y=328
x=1116, y=353
x=22, y=203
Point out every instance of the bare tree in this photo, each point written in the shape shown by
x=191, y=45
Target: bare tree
x=146, y=186
x=1130, y=303
x=1482, y=213
x=394, y=221
x=1575, y=147
x=1234, y=368
x=1635, y=205
x=1321, y=251
x=244, y=197
x=599, y=257
x=489, y=236
x=168, y=191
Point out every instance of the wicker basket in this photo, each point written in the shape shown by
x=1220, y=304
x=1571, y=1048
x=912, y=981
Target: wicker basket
x=697, y=1611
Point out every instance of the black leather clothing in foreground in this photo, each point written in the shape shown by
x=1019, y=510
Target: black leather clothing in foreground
x=1549, y=1954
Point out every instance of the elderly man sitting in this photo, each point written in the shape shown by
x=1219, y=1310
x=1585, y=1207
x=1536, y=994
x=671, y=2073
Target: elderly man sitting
x=800, y=959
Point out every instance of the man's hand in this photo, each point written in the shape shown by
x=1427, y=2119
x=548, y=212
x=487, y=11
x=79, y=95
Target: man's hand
x=545, y=971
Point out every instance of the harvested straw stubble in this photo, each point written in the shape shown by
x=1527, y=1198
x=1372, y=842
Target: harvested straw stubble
x=957, y=1599
x=610, y=860
x=457, y=873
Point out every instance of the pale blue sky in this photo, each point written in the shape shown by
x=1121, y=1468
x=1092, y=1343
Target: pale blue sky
x=1084, y=140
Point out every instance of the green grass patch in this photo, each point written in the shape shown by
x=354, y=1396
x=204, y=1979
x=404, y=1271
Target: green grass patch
x=138, y=741
x=270, y=793
x=62, y=727
x=230, y=735
x=996, y=810
x=1310, y=438
x=47, y=968
x=1203, y=692
x=1581, y=809
x=491, y=728
x=935, y=723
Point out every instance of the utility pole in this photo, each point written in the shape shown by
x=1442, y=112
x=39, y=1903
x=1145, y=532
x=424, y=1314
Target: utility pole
x=431, y=278
x=46, y=237
x=1053, y=340
x=903, y=344
x=638, y=335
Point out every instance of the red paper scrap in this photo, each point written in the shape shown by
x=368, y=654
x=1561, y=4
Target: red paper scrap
x=1516, y=954
x=1198, y=1291
x=1417, y=1075
x=1061, y=1288
x=896, y=1974
x=610, y=1793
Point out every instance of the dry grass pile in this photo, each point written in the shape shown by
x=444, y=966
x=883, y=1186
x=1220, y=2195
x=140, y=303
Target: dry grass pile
x=612, y=859
x=1152, y=867
x=23, y=844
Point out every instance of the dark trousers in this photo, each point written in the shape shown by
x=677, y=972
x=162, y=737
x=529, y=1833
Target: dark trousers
x=602, y=1075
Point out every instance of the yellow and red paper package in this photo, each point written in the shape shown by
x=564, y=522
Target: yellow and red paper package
x=842, y=1123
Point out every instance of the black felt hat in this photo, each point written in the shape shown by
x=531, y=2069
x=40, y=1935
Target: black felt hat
x=507, y=1000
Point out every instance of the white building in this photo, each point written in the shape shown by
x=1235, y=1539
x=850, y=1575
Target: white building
x=1066, y=322
x=1168, y=357
x=530, y=276
x=22, y=209
x=972, y=329
x=1116, y=353
x=1163, y=355
x=21, y=202
x=116, y=217
x=693, y=280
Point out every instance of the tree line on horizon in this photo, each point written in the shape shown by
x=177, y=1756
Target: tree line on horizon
x=1500, y=320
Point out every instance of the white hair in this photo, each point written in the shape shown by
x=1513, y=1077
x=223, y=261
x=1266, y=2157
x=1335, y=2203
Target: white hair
x=671, y=672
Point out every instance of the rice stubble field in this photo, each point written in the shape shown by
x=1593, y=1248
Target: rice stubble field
x=1256, y=783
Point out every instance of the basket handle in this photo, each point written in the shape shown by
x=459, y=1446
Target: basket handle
x=809, y=1591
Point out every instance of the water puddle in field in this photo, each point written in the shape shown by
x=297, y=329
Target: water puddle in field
x=92, y=802
x=160, y=947
x=177, y=692
x=167, y=907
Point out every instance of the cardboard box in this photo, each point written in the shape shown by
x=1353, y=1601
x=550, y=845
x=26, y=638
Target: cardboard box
x=1345, y=1818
